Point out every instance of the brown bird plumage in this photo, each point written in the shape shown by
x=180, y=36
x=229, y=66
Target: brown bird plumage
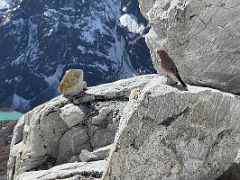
x=168, y=66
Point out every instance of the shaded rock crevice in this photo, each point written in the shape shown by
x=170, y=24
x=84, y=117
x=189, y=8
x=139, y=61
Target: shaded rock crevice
x=169, y=120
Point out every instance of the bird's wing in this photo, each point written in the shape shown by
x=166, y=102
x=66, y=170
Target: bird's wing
x=169, y=64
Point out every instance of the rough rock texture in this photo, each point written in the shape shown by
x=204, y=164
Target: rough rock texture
x=72, y=142
x=43, y=138
x=86, y=156
x=72, y=114
x=6, y=130
x=102, y=153
x=177, y=135
x=72, y=82
x=98, y=154
x=201, y=36
x=70, y=171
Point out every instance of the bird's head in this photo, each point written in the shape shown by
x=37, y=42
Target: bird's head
x=161, y=53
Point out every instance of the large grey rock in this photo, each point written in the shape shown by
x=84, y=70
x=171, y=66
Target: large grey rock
x=72, y=142
x=201, y=36
x=104, y=135
x=56, y=131
x=3, y=177
x=177, y=135
x=70, y=171
x=72, y=82
x=103, y=113
x=42, y=131
x=102, y=153
x=72, y=114
x=74, y=159
x=121, y=88
x=97, y=154
x=86, y=156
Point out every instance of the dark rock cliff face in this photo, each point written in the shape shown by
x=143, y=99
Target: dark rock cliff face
x=40, y=40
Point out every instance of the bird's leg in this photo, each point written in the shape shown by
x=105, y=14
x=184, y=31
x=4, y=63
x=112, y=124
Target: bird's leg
x=170, y=81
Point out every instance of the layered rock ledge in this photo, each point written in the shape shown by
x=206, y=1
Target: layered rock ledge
x=173, y=134
x=162, y=132
x=56, y=132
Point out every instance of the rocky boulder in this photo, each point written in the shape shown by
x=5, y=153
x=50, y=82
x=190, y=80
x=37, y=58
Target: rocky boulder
x=70, y=171
x=172, y=134
x=56, y=132
x=162, y=132
x=201, y=36
x=72, y=82
x=98, y=154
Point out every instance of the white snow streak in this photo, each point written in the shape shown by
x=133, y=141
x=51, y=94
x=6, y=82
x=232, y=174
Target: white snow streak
x=19, y=102
x=5, y=4
x=130, y=22
x=54, y=79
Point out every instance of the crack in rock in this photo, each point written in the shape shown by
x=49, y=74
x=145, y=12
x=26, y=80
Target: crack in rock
x=169, y=120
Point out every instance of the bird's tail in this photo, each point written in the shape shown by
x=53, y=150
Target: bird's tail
x=180, y=80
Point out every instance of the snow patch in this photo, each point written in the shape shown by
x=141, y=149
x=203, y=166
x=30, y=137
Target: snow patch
x=49, y=33
x=50, y=12
x=117, y=53
x=82, y=49
x=89, y=31
x=18, y=60
x=19, y=22
x=124, y=9
x=54, y=79
x=140, y=29
x=130, y=22
x=19, y=102
x=87, y=36
x=5, y=4
x=33, y=44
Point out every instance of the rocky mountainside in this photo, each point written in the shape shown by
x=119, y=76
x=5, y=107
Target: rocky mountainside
x=56, y=132
x=39, y=40
x=161, y=132
x=153, y=130
x=174, y=134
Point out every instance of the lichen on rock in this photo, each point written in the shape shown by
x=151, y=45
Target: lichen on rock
x=72, y=82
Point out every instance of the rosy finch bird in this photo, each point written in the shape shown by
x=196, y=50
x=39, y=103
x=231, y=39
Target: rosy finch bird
x=168, y=67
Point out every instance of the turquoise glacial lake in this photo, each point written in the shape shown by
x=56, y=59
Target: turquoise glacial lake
x=10, y=116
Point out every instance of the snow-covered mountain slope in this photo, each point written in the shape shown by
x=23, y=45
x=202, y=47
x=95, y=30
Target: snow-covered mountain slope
x=40, y=40
x=5, y=4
